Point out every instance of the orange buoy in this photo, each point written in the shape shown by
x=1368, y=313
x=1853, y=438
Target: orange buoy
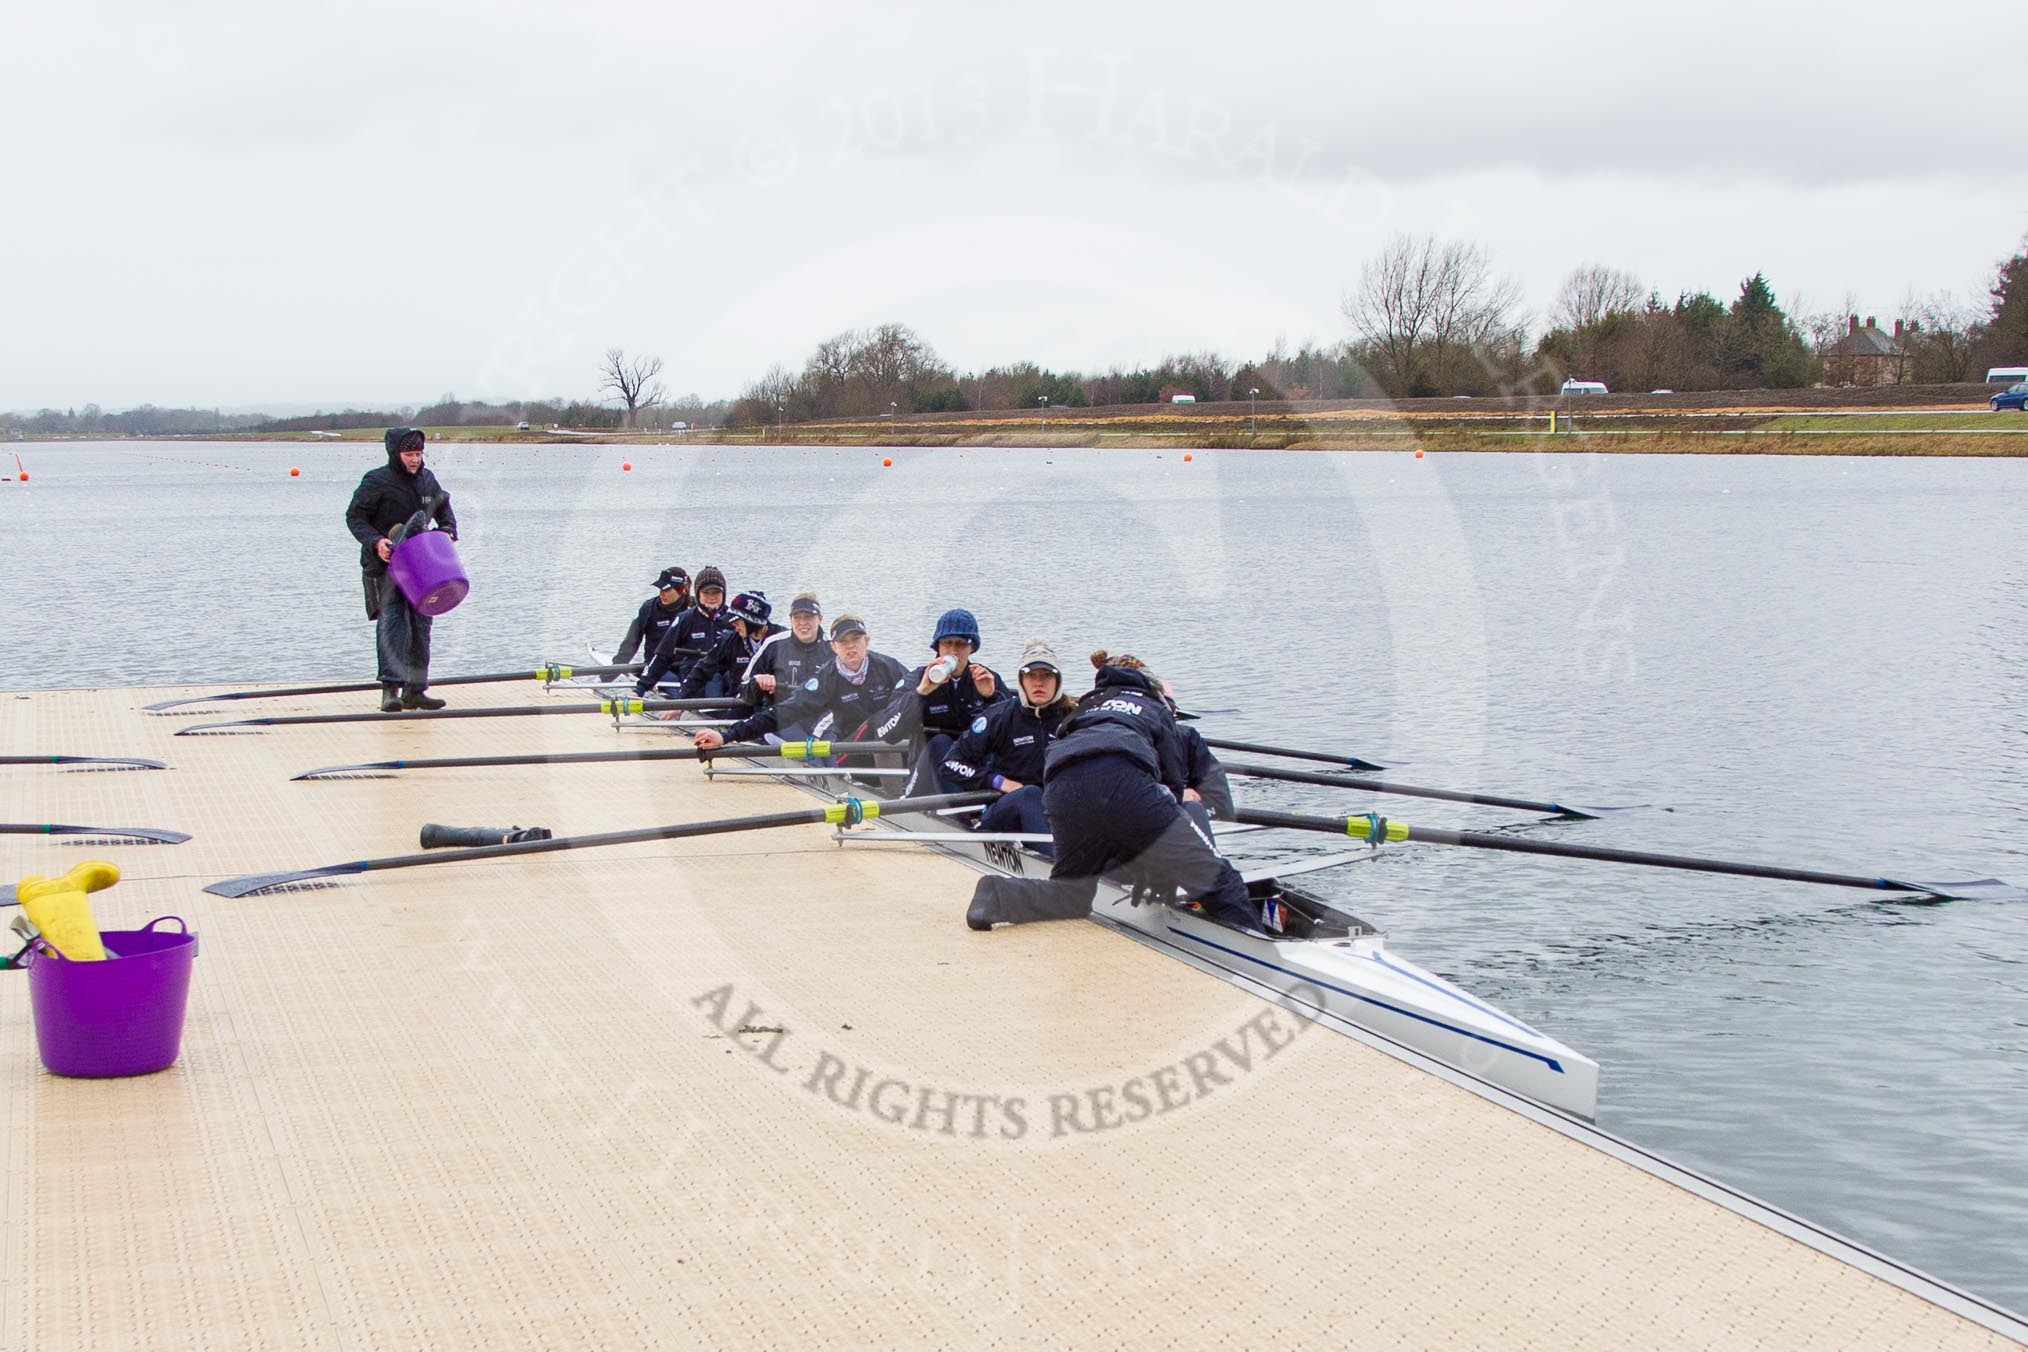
x=626, y=464
x=1188, y=456
x=1418, y=454
x=886, y=462
x=294, y=473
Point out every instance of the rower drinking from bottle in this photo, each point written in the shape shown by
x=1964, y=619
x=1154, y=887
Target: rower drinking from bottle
x=950, y=692
x=1004, y=748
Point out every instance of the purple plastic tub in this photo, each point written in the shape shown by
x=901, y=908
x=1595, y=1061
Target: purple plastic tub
x=123, y=1016
x=425, y=566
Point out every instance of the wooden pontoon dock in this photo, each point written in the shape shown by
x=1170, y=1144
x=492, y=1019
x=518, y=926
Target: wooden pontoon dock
x=758, y=1090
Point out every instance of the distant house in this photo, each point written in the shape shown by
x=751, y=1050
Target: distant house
x=1867, y=357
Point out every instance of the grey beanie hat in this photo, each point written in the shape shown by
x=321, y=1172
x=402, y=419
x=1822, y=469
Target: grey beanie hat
x=1036, y=652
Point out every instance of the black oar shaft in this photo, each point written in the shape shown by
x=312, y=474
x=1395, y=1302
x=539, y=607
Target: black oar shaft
x=847, y=812
x=355, y=687
x=1293, y=753
x=787, y=751
x=646, y=706
x=1401, y=790
x=1357, y=828
x=154, y=833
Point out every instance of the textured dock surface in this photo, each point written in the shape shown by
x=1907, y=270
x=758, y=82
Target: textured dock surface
x=758, y=1090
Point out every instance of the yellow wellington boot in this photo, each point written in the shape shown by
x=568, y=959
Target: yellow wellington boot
x=58, y=908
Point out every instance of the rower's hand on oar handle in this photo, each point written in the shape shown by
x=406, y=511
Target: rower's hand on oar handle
x=384, y=548
x=708, y=739
x=766, y=683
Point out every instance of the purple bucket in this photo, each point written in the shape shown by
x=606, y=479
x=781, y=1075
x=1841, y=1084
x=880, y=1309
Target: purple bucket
x=123, y=1016
x=425, y=566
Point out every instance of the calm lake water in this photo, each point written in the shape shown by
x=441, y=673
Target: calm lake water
x=1815, y=661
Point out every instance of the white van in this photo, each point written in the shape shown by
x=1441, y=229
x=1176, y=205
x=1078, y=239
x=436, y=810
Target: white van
x=1182, y=398
x=1584, y=387
x=2006, y=375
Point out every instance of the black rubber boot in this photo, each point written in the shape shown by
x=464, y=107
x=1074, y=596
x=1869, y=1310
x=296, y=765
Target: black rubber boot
x=413, y=698
x=390, y=698
x=984, y=908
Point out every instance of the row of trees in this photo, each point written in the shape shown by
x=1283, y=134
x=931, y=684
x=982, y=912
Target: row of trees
x=1426, y=317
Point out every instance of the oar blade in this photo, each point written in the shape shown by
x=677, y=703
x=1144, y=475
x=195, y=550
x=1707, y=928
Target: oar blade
x=324, y=770
x=1974, y=889
x=252, y=884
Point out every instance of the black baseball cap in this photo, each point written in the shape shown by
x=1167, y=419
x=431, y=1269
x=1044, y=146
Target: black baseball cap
x=672, y=577
x=846, y=624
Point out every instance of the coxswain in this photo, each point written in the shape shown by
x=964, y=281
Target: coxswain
x=401, y=493
x=950, y=691
x=723, y=670
x=839, y=703
x=1113, y=788
x=1004, y=748
x=653, y=620
x=695, y=633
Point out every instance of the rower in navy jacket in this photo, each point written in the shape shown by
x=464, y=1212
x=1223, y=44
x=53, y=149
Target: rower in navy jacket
x=786, y=660
x=723, y=670
x=695, y=633
x=1113, y=783
x=657, y=613
x=949, y=694
x=1004, y=747
x=839, y=703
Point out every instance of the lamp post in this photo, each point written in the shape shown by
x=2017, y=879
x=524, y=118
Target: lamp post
x=782, y=421
x=1043, y=400
x=893, y=415
x=1251, y=395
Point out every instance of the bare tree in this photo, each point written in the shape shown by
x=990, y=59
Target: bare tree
x=1938, y=335
x=632, y=381
x=1422, y=302
x=1595, y=293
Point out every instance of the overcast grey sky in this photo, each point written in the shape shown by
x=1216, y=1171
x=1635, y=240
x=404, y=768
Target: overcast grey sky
x=255, y=204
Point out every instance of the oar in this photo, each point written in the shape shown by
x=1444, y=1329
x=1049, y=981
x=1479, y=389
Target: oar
x=806, y=750
x=145, y=833
x=615, y=707
x=130, y=762
x=549, y=674
x=847, y=812
x=1328, y=757
x=1375, y=829
x=1413, y=791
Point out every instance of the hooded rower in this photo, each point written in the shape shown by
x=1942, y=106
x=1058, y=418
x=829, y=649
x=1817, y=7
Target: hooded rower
x=696, y=632
x=388, y=498
x=1005, y=746
x=1113, y=785
x=723, y=670
x=950, y=693
x=657, y=614
x=839, y=703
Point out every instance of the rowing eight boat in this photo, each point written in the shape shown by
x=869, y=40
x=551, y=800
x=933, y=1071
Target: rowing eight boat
x=1323, y=963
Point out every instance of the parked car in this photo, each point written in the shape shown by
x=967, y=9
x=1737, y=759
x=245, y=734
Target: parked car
x=2014, y=397
x=521, y=427
x=1584, y=387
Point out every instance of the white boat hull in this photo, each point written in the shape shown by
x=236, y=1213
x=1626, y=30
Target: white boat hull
x=1346, y=980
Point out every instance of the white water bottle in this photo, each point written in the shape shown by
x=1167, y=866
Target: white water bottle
x=941, y=669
